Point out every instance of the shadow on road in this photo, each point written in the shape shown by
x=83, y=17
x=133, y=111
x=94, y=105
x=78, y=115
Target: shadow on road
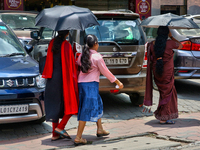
x=179, y=123
x=187, y=89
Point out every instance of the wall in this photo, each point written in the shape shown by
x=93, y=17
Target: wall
x=155, y=7
x=193, y=7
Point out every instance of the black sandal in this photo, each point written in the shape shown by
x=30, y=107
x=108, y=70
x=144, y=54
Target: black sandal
x=62, y=133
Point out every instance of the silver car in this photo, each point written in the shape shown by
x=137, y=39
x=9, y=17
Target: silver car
x=187, y=59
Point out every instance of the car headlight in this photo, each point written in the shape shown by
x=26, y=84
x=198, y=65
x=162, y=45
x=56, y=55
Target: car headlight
x=41, y=82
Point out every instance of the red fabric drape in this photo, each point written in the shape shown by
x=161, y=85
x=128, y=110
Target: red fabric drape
x=69, y=74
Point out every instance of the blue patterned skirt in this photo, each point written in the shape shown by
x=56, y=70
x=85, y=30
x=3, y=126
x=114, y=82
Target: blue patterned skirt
x=90, y=102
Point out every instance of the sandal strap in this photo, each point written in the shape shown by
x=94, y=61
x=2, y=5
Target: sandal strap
x=63, y=131
x=80, y=140
x=102, y=131
x=83, y=141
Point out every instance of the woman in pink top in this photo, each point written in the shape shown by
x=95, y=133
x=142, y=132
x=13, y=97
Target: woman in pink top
x=90, y=104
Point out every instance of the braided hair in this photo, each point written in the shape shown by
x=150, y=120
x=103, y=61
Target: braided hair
x=89, y=40
x=159, y=47
x=58, y=41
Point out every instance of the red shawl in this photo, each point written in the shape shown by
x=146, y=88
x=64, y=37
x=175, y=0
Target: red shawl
x=70, y=83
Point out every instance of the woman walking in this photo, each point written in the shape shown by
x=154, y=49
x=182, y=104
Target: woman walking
x=160, y=61
x=90, y=105
x=61, y=92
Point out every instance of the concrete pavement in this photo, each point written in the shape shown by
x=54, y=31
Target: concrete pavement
x=186, y=129
x=120, y=118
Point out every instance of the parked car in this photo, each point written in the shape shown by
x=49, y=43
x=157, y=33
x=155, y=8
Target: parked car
x=121, y=43
x=21, y=85
x=21, y=22
x=187, y=59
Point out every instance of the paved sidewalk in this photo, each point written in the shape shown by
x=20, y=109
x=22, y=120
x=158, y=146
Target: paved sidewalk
x=186, y=128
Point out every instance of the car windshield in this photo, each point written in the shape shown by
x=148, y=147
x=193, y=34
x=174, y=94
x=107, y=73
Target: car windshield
x=18, y=21
x=123, y=32
x=189, y=32
x=47, y=33
x=9, y=43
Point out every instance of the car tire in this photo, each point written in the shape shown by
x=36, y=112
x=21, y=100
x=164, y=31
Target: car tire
x=136, y=99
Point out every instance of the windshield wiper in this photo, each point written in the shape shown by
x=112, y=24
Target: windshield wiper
x=12, y=54
x=23, y=28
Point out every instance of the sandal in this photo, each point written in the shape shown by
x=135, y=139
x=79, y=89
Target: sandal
x=103, y=133
x=168, y=122
x=63, y=134
x=80, y=141
x=57, y=138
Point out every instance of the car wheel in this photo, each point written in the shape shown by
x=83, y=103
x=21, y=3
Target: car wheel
x=136, y=99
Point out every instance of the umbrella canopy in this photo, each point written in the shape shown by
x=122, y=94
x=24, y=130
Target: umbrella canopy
x=66, y=18
x=170, y=20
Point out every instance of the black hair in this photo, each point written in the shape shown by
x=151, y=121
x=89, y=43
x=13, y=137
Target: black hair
x=90, y=40
x=58, y=41
x=159, y=47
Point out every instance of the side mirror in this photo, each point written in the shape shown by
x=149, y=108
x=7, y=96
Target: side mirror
x=35, y=35
x=28, y=48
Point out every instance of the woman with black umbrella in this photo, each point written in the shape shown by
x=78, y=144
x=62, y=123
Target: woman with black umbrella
x=160, y=61
x=61, y=92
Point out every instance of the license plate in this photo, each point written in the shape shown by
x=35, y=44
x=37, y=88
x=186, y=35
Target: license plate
x=13, y=109
x=116, y=61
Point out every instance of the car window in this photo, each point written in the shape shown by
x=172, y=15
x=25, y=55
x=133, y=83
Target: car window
x=18, y=21
x=47, y=33
x=123, y=32
x=189, y=32
x=151, y=32
x=9, y=43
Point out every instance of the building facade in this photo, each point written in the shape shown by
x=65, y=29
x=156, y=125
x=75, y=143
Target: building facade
x=179, y=7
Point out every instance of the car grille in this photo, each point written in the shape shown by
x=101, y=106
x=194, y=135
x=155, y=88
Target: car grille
x=16, y=101
x=17, y=82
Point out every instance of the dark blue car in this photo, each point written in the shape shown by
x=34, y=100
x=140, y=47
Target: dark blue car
x=21, y=85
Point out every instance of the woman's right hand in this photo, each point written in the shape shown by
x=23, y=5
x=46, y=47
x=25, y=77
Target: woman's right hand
x=119, y=84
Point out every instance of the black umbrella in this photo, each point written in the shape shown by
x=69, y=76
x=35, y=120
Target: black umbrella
x=66, y=18
x=171, y=20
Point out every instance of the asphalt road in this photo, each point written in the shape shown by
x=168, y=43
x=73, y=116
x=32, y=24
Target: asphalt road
x=116, y=108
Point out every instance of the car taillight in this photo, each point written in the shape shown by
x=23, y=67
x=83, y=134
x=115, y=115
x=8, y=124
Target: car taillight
x=183, y=71
x=114, y=91
x=145, y=57
x=186, y=45
x=195, y=47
